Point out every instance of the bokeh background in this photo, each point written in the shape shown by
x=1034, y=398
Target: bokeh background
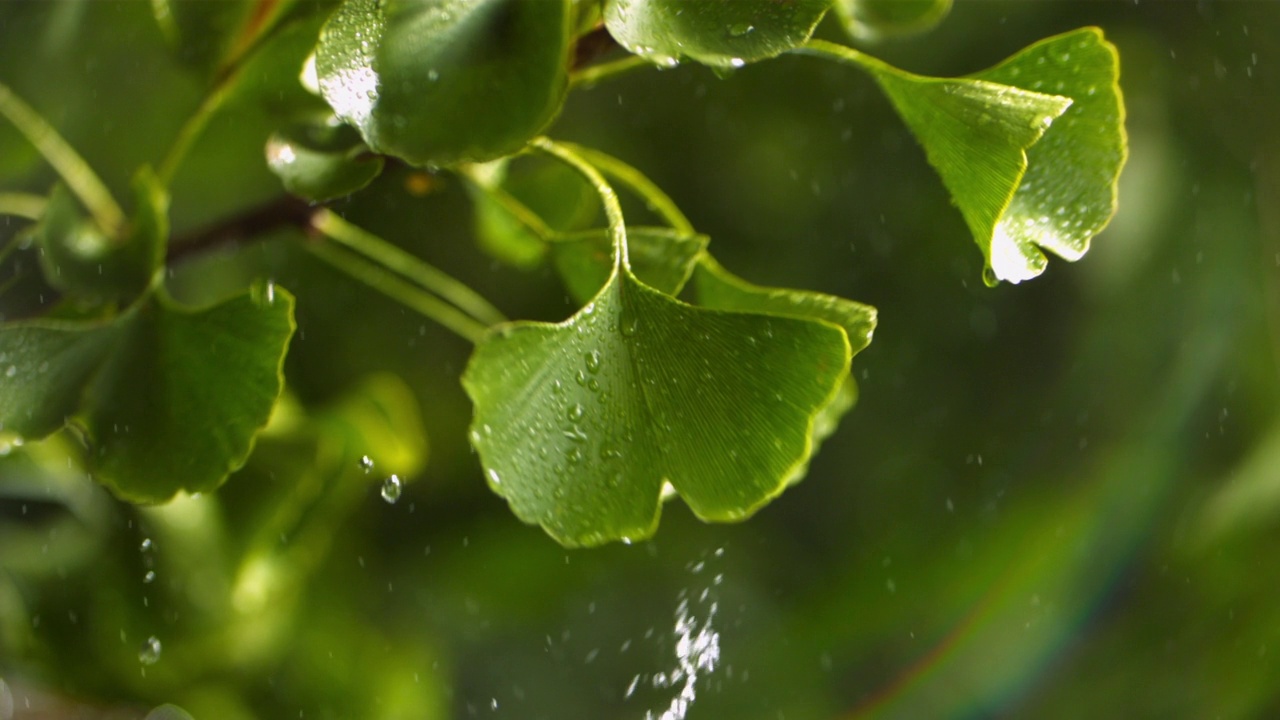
x=1053, y=500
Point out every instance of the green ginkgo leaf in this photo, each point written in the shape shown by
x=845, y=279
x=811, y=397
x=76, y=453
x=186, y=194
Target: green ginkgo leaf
x=445, y=81
x=661, y=258
x=166, y=398
x=875, y=19
x=1030, y=150
x=715, y=287
x=44, y=367
x=321, y=161
x=178, y=402
x=719, y=33
x=580, y=425
x=82, y=260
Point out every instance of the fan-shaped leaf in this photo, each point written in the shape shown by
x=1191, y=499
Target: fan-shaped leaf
x=579, y=425
x=717, y=33
x=445, y=81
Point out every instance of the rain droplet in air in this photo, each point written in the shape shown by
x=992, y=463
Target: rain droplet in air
x=149, y=653
x=150, y=577
x=391, y=488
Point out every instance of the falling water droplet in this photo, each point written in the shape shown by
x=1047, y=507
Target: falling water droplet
x=150, y=577
x=366, y=463
x=391, y=489
x=149, y=653
x=145, y=546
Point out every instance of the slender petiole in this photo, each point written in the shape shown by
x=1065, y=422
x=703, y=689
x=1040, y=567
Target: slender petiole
x=406, y=265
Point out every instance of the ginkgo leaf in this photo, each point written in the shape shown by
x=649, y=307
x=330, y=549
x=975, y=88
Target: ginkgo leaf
x=1030, y=150
x=445, y=81
x=166, y=398
x=718, y=33
x=875, y=19
x=321, y=161
x=715, y=287
x=580, y=424
x=177, y=403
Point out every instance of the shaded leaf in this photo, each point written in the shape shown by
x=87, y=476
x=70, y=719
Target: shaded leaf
x=503, y=226
x=579, y=425
x=661, y=258
x=718, y=33
x=81, y=260
x=1030, y=149
x=210, y=36
x=177, y=404
x=446, y=81
x=44, y=367
x=321, y=162
x=875, y=19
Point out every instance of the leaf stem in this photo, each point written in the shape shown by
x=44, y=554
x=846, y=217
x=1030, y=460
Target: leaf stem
x=412, y=268
x=193, y=127
x=637, y=182
x=589, y=76
x=402, y=291
x=608, y=197
x=845, y=54
x=23, y=205
x=72, y=168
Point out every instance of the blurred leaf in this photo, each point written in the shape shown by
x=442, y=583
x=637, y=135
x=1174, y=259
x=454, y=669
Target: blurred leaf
x=1027, y=169
x=661, y=258
x=874, y=19
x=177, y=404
x=503, y=226
x=168, y=711
x=446, y=81
x=211, y=36
x=1250, y=497
x=720, y=34
x=82, y=261
x=321, y=162
x=44, y=367
x=579, y=425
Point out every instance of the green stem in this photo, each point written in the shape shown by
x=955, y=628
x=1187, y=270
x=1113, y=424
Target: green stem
x=608, y=198
x=589, y=76
x=23, y=205
x=841, y=53
x=518, y=210
x=193, y=127
x=393, y=258
x=72, y=168
x=657, y=200
x=403, y=292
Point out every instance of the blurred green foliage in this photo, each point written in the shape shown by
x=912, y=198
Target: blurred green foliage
x=1054, y=499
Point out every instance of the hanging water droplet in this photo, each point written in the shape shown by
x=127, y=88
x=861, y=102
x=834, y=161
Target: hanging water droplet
x=391, y=489
x=576, y=412
x=366, y=464
x=629, y=326
x=741, y=29
x=149, y=653
x=593, y=361
x=493, y=475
